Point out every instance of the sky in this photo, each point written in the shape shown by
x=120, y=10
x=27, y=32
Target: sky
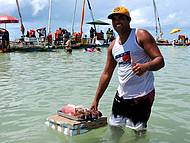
x=173, y=14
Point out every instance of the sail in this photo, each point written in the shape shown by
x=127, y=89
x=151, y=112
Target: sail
x=21, y=23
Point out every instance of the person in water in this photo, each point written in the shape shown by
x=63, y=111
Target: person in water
x=136, y=55
x=68, y=46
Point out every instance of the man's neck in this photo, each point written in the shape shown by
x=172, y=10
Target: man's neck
x=124, y=36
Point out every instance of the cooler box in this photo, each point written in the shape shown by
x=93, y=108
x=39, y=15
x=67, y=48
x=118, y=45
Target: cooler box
x=72, y=127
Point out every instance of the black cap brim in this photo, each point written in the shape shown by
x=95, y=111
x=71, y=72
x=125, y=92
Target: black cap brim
x=111, y=15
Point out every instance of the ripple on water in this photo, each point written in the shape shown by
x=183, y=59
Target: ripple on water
x=36, y=85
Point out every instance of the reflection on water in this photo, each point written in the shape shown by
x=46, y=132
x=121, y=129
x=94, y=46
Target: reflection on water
x=34, y=85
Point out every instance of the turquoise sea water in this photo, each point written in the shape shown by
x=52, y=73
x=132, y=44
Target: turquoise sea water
x=35, y=85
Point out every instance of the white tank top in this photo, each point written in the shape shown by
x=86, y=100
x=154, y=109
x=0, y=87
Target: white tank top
x=126, y=55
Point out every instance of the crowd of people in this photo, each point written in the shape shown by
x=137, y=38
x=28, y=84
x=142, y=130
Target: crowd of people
x=61, y=35
x=94, y=35
x=182, y=39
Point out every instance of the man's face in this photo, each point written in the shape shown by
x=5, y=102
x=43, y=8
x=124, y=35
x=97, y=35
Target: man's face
x=120, y=23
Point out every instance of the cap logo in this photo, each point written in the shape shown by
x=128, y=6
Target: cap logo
x=116, y=9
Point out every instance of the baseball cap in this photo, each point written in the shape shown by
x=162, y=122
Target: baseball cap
x=119, y=10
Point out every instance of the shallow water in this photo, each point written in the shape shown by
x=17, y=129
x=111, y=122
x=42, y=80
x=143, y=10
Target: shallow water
x=34, y=85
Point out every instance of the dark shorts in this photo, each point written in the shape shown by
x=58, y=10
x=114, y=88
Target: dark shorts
x=69, y=50
x=137, y=109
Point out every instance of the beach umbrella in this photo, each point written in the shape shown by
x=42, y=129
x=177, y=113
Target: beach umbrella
x=8, y=19
x=175, y=30
x=98, y=22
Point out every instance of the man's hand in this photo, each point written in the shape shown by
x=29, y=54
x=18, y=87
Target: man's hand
x=140, y=69
x=94, y=106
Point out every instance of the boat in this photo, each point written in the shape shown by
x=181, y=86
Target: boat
x=160, y=41
x=158, y=30
x=23, y=44
x=28, y=45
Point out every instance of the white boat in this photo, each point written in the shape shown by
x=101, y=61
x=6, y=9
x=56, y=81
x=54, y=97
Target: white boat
x=158, y=29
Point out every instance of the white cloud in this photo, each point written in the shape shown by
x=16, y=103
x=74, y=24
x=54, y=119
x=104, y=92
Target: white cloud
x=35, y=12
x=8, y=2
x=38, y=5
x=142, y=17
x=7, y=6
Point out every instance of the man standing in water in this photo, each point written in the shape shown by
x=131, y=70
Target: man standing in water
x=137, y=55
x=68, y=46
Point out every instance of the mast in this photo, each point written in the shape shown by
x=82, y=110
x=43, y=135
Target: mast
x=21, y=22
x=82, y=18
x=49, y=19
x=74, y=15
x=89, y=6
x=157, y=23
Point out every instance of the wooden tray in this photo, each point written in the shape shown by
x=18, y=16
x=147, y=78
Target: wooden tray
x=69, y=116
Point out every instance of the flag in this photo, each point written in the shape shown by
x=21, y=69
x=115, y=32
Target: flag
x=42, y=32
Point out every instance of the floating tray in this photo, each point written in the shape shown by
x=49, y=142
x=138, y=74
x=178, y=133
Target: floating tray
x=60, y=113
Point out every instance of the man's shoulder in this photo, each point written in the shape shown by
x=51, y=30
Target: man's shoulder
x=112, y=44
x=141, y=31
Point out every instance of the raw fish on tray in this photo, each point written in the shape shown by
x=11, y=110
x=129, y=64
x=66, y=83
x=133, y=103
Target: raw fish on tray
x=78, y=112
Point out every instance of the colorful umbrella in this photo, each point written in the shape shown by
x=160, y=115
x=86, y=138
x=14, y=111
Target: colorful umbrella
x=175, y=30
x=8, y=19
